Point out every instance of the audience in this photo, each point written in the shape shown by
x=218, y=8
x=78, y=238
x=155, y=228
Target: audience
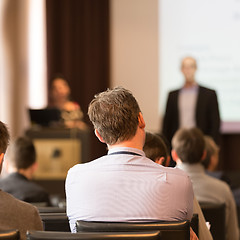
x=18, y=182
x=188, y=152
x=156, y=149
x=125, y=185
x=14, y=213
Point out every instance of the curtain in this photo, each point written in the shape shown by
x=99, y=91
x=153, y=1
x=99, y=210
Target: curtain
x=78, y=47
x=14, y=65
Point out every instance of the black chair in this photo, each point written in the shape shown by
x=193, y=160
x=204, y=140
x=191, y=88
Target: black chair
x=195, y=223
x=169, y=230
x=51, y=210
x=12, y=234
x=55, y=222
x=42, y=235
x=215, y=214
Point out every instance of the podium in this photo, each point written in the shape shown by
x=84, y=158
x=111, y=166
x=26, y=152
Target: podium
x=58, y=150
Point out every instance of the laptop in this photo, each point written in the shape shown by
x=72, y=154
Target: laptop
x=45, y=117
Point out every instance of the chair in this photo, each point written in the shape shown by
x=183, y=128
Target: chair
x=42, y=235
x=12, y=234
x=215, y=214
x=169, y=230
x=51, y=210
x=55, y=222
x=194, y=223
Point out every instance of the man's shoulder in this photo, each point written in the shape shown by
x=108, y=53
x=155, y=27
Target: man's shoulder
x=84, y=166
x=218, y=183
x=204, y=89
x=16, y=204
x=178, y=174
x=174, y=92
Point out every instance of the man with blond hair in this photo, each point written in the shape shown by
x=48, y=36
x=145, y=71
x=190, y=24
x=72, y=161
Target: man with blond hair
x=124, y=185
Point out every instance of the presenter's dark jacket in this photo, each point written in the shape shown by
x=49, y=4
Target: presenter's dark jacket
x=206, y=114
x=23, y=189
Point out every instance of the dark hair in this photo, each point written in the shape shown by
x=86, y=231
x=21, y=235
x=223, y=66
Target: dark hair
x=114, y=113
x=23, y=153
x=58, y=75
x=4, y=137
x=189, y=144
x=155, y=147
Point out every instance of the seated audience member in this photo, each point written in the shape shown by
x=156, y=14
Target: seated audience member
x=124, y=185
x=15, y=214
x=211, y=162
x=188, y=152
x=156, y=150
x=71, y=112
x=22, y=161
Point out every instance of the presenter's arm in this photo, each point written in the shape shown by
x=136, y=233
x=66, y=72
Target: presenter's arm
x=215, y=118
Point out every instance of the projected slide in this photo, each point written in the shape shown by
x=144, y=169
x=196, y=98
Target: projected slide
x=210, y=32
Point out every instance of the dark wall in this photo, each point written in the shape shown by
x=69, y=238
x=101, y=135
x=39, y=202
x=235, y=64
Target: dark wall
x=78, y=48
x=230, y=152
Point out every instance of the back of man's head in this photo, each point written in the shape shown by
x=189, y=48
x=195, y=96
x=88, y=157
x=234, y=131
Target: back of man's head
x=114, y=113
x=210, y=162
x=155, y=147
x=4, y=138
x=189, y=145
x=23, y=154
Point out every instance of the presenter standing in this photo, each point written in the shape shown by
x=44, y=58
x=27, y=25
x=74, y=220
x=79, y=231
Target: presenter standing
x=192, y=106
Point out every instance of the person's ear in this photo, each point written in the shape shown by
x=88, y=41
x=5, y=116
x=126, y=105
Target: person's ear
x=174, y=155
x=204, y=155
x=98, y=136
x=160, y=160
x=168, y=161
x=34, y=166
x=1, y=157
x=141, y=121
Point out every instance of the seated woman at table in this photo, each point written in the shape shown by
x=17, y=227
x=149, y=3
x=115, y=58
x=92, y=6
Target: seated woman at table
x=71, y=112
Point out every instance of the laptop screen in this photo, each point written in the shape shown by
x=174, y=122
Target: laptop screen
x=45, y=117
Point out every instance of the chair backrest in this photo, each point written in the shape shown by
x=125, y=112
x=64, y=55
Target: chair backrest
x=55, y=222
x=12, y=234
x=51, y=210
x=49, y=235
x=169, y=230
x=195, y=223
x=215, y=214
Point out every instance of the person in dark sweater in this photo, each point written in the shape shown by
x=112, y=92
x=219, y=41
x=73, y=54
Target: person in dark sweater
x=22, y=165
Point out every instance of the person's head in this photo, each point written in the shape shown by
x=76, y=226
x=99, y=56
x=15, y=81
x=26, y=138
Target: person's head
x=188, y=68
x=60, y=88
x=188, y=145
x=115, y=115
x=210, y=162
x=4, y=141
x=156, y=149
x=22, y=153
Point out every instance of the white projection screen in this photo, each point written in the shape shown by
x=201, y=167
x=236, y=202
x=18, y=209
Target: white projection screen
x=210, y=32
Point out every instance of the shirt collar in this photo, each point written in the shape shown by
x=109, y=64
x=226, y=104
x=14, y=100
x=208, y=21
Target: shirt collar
x=193, y=88
x=191, y=168
x=126, y=149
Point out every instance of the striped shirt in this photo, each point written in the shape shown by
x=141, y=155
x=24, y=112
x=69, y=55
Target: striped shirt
x=122, y=187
